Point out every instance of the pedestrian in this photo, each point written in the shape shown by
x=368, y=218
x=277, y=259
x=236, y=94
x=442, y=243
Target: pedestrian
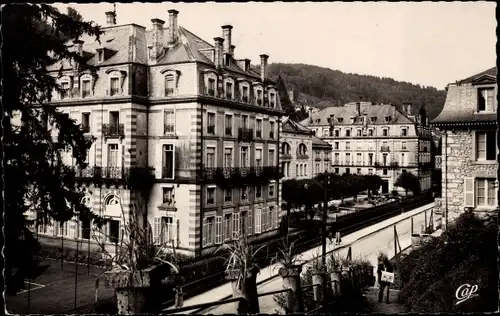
x=383, y=265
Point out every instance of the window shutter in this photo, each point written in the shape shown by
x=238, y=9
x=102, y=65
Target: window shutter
x=249, y=223
x=474, y=142
x=218, y=229
x=205, y=232
x=257, y=221
x=469, y=194
x=236, y=225
x=158, y=160
x=156, y=230
x=275, y=213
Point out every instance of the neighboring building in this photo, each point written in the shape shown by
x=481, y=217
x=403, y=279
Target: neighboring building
x=376, y=139
x=302, y=154
x=204, y=123
x=468, y=123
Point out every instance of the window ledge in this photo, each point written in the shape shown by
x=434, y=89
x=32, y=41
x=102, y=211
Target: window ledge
x=485, y=162
x=485, y=112
x=485, y=208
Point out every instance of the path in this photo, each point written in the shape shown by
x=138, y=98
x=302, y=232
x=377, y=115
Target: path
x=394, y=307
x=363, y=245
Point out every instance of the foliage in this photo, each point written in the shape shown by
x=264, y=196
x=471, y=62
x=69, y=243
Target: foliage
x=465, y=253
x=34, y=37
x=323, y=87
x=287, y=255
x=409, y=182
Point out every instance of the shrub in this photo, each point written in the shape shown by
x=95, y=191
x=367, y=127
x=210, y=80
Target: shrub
x=432, y=273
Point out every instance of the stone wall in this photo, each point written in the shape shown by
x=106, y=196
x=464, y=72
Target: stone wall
x=457, y=163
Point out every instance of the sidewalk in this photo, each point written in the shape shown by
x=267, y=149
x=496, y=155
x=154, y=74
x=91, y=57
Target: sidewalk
x=394, y=307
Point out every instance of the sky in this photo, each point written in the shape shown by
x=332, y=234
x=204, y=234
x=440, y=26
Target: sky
x=431, y=43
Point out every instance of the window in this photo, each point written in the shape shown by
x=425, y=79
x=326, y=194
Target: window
x=353, y=120
x=211, y=123
x=228, y=157
x=169, y=85
x=228, y=194
x=113, y=155
x=271, y=190
x=168, y=122
x=258, y=128
x=258, y=226
x=337, y=158
x=347, y=132
x=211, y=195
x=373, y=119
x=114, y=86
x=168, y=162
x=385, y=132
x=326, y=166
x=370, y=132
x=384, y=172
x=340, y=119
x=100, y=55
x=370, y=171
x=272, y=100
x=236, y=225
x=228, y=129
x=337, y=171
x=259, y=97
x=485, y=145
x=337, y=145
x=370, y=159
x=244, y=93
x=337, y=133
x=486, y=100
x=348, y=170
x=244, y=193
x=384, y=159
x=258, y=191
x=227, y=60
x=297, y=170
x=347, y=158
x=403, y=145
x=325, y=132
x=168, y=195
x=229, y=90
x=316, y=168
x=244, y=121
x=358, y=159
x=85, y=88
x=211, y=87
x=86, y=122
x=359, y=132
x=65, y=88
x=270, y=158
x=258, y=157
x=208, y=230
x=244, y=157
x=404, y=131
x=114, y=231
x=164, y=230
x=358, y=171
x=347, y=145
x=403, y=159
x=271, y=130
x=210, y=157
x=485, y=192
x=387, y=119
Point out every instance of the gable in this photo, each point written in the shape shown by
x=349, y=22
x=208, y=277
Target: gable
x=484, y=79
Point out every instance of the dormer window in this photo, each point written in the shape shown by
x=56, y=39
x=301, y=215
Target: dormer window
x=385, y=132
x=169, y=85
x=340, y=119
x=337, y=133
x=259, y=97
x=347, y=132
x=353, y=119
x=404, y=131
x=373, y=119
x=85, y=88
x=229, y=90
x=358, y=132
x=114, y=88
x=387, y=119
x=272, y=99
x=486, y=100
x=244, y=94
x=361, y=120
x=211, y=87
x=370, y=132
x=100, y=55
x=227, y=60
x=65, y=88
x=318, y=120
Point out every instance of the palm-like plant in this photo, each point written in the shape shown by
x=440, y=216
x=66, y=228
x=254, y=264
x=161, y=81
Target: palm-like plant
x=287, y=255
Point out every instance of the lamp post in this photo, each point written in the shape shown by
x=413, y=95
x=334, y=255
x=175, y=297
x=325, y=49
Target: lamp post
x=324, y=235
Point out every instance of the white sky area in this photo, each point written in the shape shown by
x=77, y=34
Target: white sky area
x=430, y=44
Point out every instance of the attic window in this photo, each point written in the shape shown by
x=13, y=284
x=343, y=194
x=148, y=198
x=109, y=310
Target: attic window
x=100, y=55
x=374, y=118
x=387, y=119
x=317, y=120
x=228, y=60
x=340, y=119
x=353, y=119
x=361, y=120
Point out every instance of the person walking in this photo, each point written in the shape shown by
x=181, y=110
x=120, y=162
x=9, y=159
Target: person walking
x=383, y=265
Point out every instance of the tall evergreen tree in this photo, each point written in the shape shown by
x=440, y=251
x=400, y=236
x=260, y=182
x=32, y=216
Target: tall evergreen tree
x=35, y=36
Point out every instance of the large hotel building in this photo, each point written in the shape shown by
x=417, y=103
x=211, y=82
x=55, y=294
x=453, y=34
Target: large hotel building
x=205, y=124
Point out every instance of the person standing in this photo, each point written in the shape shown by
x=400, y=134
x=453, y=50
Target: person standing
x=383, y=265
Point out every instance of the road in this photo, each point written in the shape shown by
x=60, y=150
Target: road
x=365, y=243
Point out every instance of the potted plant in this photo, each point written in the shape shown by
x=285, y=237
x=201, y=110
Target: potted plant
x=334, y=267
x=287, y=261
x=242, y=270
x=138, y=271
x=318, y=278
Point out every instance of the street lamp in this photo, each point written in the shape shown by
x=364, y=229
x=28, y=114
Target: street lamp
x=324, y=235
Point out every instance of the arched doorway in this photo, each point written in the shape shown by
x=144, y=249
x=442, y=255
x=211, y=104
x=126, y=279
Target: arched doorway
x=113, y=211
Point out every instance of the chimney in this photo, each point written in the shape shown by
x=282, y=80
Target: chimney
x=226, y=34
x=78, y=47
x=247, y=64
x=172, y=25
x=231, y=50
x=110, y=18
x=157, y=38
x=358, y=108
x=263, y=67
x=218, y=51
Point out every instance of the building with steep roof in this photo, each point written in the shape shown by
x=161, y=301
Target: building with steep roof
x=376, y=139
x=201, y=121
x=468, y=124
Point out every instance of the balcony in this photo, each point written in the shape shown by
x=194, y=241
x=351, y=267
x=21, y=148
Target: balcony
x=211, y=129
x=384, y=149
x=113, y=130
x=258, y=133
x=137, y=177
x=227, y=176
x=209, y=173
x=286, y=156
x=302, y=157
x=245, y=134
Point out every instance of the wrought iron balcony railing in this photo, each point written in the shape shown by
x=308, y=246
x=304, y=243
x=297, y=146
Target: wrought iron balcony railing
x=303, y=156
x=130, y=176
x=235, y=175
x=245, y=134
x=113, y=130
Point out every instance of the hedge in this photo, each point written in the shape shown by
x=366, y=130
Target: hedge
x=466, y=253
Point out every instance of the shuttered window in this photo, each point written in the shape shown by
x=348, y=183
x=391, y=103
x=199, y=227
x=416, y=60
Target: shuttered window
x=236, y=225
x=469, y=192
x=218, y=229
x=258, y=213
